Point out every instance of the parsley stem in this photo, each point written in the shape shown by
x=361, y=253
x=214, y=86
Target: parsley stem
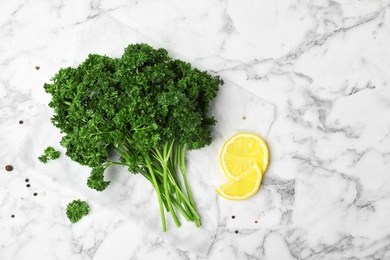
x=187, y=202
x=167, y=152
x=156, y=187
x=180, y=195
x=108, y=163
x=188, y=216
x=182, y=166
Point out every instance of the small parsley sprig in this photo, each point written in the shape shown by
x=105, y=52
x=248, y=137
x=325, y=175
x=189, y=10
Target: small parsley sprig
x=76, y=210
x=49, y=154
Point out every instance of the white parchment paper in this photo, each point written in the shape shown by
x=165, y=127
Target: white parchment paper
x=131, y=195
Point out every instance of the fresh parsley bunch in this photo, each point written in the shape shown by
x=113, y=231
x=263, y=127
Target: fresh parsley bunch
x=144, y=106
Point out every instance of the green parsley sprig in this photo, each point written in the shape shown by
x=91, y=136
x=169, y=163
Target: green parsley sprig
x=49, y=154
x=76, y=210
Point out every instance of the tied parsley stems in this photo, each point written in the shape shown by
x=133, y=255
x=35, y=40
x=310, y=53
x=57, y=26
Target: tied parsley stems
x=144, y=106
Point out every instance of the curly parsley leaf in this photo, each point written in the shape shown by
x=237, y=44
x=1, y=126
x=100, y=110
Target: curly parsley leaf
x=49, y=154
x=96, y=179
x=76, y=210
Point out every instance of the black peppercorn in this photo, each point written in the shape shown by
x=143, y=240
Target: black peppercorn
x=20, y=121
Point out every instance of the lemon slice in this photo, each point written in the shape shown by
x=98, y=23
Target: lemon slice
x=242, y=151
x=242, y=187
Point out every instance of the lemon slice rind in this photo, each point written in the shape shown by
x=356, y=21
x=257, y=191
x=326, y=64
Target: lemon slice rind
x=223, y=190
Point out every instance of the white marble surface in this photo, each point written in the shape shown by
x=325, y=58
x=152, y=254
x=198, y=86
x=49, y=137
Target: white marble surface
x=323, y=66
